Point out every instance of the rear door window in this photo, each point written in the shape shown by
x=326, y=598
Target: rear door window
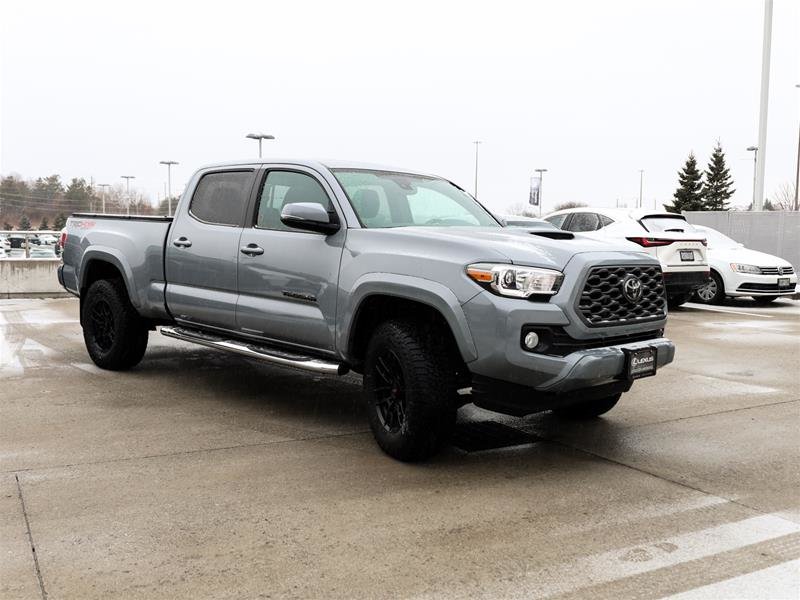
x=221, y=198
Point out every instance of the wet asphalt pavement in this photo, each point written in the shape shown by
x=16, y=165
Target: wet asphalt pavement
x=204, y=475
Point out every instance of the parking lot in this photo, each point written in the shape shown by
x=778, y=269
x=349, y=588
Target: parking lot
x=200, y=474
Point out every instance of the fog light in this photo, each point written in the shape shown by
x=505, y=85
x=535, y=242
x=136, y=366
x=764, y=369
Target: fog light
x=531, y=340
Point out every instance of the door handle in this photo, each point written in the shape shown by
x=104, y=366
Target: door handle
x=252, y=250
x=182, y=242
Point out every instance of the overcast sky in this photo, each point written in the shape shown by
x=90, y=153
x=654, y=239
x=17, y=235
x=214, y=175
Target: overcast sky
x=592, y=91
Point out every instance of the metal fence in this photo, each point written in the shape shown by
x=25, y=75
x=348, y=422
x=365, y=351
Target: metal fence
x=773, y=232
x=18, y=244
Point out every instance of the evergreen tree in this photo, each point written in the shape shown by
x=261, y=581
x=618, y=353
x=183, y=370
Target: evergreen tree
x=25, y=223
x=717, y=187
x=60, y=222
x=7, y=226
x=79, y=195
x=44, y=225
x=689, y=194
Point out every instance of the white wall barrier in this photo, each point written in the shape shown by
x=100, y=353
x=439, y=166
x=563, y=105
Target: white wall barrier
x=773, y=232
x=30, y=278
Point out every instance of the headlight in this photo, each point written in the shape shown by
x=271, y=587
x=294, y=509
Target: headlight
x=752, y=269
x=514, y=281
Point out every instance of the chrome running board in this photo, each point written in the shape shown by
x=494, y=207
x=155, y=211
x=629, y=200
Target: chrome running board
x=259, y=352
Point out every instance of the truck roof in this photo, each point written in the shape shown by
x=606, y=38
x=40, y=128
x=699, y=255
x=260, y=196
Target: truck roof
x=317, y=164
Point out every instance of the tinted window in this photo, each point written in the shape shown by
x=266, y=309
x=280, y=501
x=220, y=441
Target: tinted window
x=583, y=222
x=604, y=220
x=557, y=220
x=220, y=198
x=286, y=187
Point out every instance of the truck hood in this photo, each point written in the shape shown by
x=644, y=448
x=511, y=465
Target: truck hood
x=527, y=246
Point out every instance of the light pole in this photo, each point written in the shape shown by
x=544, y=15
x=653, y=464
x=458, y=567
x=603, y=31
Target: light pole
x=797, y=172
x=754, y=150
x=758, y=201
x=169, y=164
x=127, y=179
x=104, y=186
x=541, y=173
x=259, y=137
x=477, y=143
x=641, y=181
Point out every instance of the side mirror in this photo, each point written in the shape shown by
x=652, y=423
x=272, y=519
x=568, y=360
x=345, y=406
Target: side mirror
x=309, y=216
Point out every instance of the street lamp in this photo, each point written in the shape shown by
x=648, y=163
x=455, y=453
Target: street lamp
x=169, y=164
x=127, y=179
x=754, y=150
x=259, y=137
x=797, y=172
x=541, y=173
x=477, y=143
x=641, y=181
x=104, y=186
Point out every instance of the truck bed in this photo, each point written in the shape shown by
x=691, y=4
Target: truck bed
x=135, y=245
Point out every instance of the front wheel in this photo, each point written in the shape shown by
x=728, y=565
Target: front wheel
x=764, y=299
x=588, y=410
x=115, y=335
x=712, y=292
x=409, y=385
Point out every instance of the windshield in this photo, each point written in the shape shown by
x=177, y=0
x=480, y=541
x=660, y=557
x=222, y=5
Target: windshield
x=717, y=239
x=663, y=224
x=389, y=199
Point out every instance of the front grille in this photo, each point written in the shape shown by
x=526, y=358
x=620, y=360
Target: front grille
x=777, y=270
x=602, y=303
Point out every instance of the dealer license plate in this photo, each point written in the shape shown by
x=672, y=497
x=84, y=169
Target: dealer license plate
x=640, y=363
x=783, y=282
x=687, y=255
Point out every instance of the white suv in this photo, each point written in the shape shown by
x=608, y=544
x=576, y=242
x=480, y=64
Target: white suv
x=679, y=247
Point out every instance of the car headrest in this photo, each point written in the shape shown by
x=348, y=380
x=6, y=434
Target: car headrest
x=367, y=203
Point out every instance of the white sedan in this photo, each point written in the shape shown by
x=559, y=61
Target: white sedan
x=739, y=271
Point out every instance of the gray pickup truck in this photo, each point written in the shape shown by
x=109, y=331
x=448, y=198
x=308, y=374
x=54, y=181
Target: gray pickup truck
x=397, y=275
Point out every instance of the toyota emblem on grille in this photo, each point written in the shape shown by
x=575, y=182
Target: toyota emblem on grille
x=632, y=288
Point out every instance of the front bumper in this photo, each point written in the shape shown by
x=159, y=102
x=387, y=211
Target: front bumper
x=747, y=284
x=496, y=324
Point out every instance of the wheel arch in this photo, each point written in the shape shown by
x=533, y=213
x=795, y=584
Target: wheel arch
x=386, y=296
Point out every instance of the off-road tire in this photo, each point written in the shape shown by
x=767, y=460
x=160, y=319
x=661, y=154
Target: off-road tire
x=588, y=410
x=426, y=389
x=718, y=296
x=114, y=333
x=764, y=299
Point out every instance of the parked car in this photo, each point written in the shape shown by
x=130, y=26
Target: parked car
x=5, y=243
x=739, y=271
x=3, y=253
x=398, y=275
x=48, y=239
x=520, y=221
x=678, y=246
x=42, y=252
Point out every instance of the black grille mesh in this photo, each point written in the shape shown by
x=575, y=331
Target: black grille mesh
x=602, y=303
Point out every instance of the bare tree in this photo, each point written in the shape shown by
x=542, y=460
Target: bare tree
x=522, y=210
x=566, y=205
x=783, y=197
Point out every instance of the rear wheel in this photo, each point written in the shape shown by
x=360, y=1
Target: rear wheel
x=115, y=335
x=713, y=292
x=588, y=410
x=764, y=299
x=409, y=385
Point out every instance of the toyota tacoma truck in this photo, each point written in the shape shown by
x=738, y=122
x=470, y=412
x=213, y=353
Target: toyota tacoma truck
x=397, y=275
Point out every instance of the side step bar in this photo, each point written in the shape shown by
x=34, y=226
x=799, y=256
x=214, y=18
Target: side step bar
x=264, y=353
